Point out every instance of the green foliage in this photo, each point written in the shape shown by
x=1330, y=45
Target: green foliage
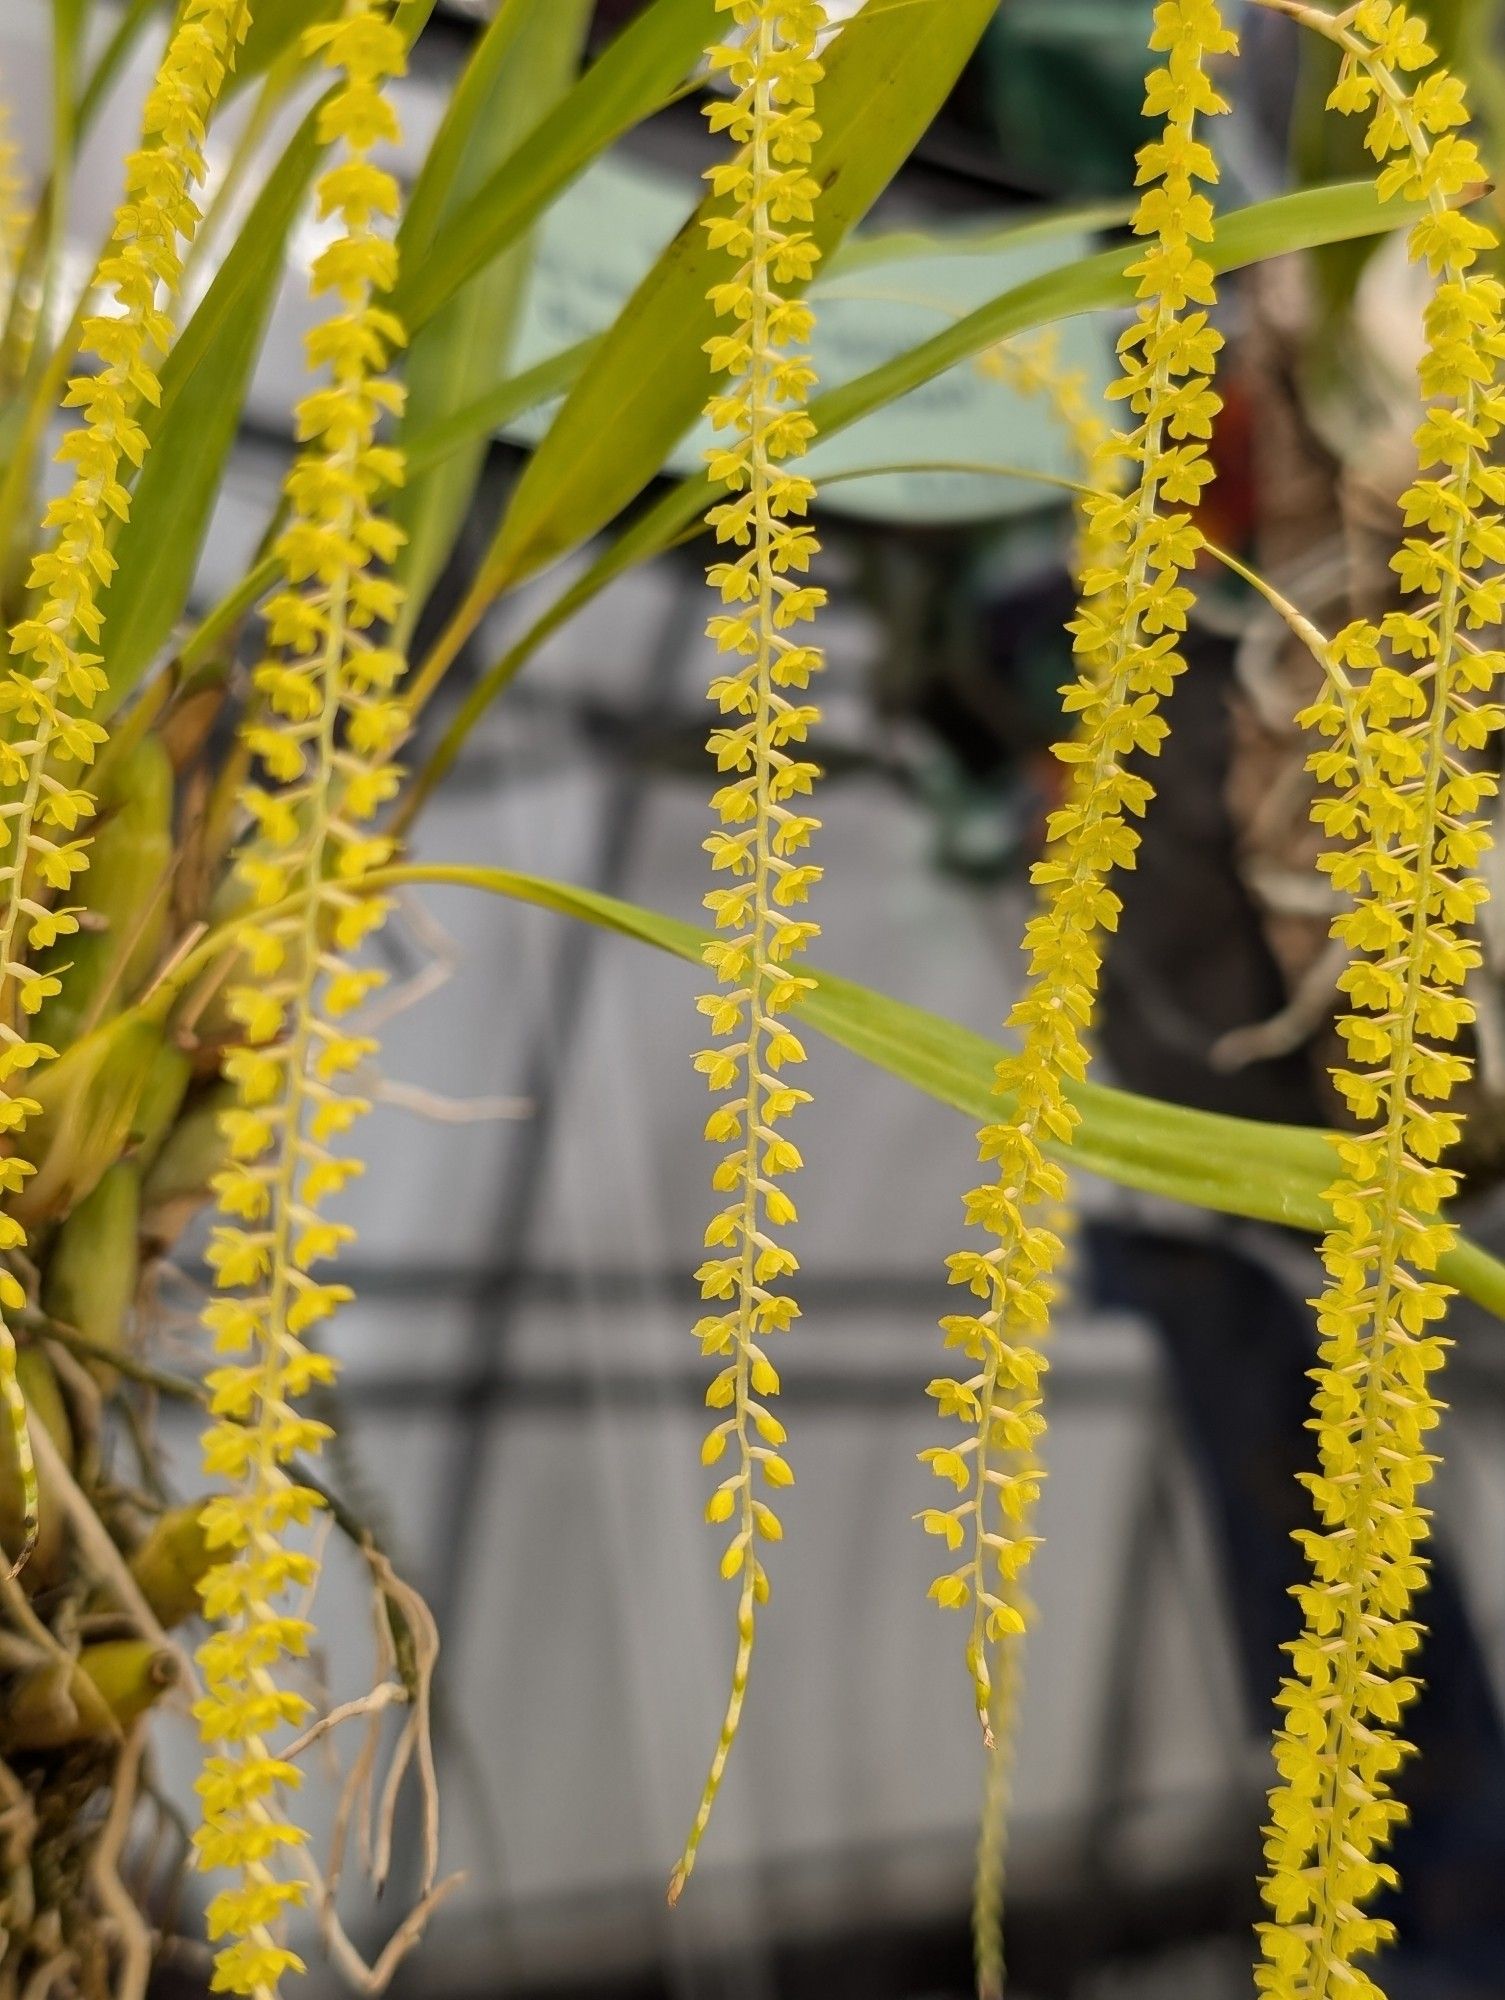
x=631, y=80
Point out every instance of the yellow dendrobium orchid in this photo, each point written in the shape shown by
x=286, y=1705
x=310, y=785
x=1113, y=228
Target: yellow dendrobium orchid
x=55, y=676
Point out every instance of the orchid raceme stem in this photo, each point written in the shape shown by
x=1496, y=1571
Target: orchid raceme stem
x=990, y=1863
x=1035, y=369
x=55, y=675
x=1402, y=805
x=773, y=72
x=1134, y=607
x=323, y=746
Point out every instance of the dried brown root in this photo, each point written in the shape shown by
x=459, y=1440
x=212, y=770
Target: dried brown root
x=131, y=1935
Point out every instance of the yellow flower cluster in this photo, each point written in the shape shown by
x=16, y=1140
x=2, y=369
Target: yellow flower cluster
x=1133, y=611
x=56, y=676
x=769, y=192
x=1403, y=801
x=324, y=739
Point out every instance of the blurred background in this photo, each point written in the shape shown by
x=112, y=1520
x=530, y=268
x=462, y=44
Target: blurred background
x=521, y=1397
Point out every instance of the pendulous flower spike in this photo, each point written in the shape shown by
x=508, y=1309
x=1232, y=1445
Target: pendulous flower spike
x=762, y=884
x=55, y=676
x=1412, y=699
x=14, y=215
x=1032, y=368
x=1129, y=557
x=1136, y=547
x=327, y=685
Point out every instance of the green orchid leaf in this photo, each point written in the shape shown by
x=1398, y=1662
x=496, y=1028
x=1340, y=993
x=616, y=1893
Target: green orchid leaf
x=633, y=78
x=513, y=398
x=1235, y=1166
x=1091, y=284
x=521, y=67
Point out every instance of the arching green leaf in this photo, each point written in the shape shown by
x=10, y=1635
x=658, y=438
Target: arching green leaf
x=1235, y=1166
x=1092, y=284
x=628, y=82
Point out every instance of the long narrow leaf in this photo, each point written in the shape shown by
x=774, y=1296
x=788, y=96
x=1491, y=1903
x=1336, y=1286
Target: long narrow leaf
x=1235, y=1166
x=1301, y=221
x=521, y=67
x=513, y=398
x=112, y=58
x=629, y=81
x=70, y=25
x=493, y=411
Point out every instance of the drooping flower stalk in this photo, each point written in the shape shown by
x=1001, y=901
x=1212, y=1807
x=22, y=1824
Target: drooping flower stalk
x=1406, y=815
x=1126, y=634
x=55, y=676
x=1035, y=368
x=769, y=192
x=324, y=744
